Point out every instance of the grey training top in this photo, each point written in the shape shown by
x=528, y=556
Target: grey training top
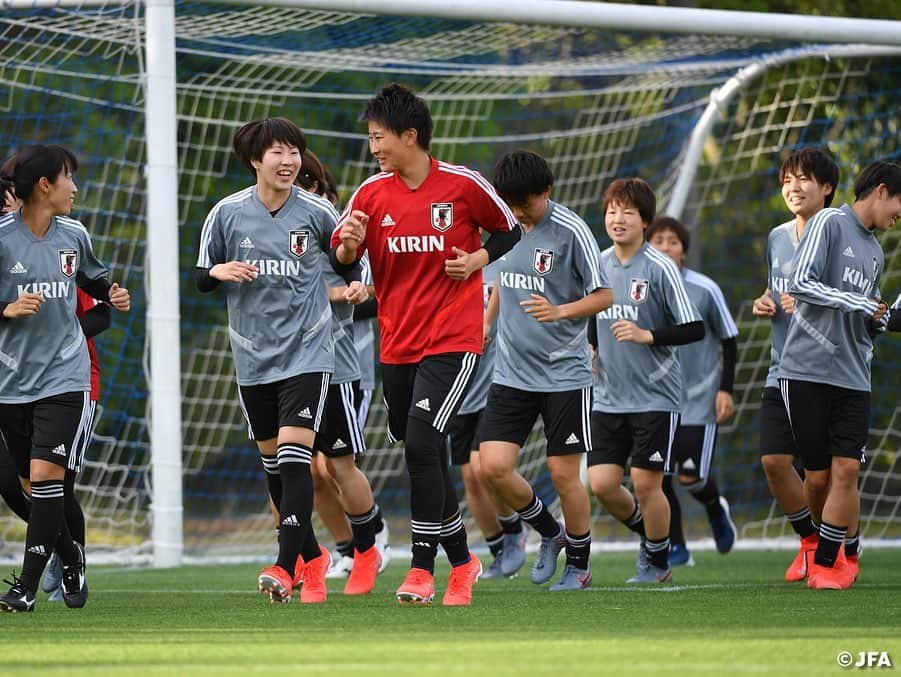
x=700, y=360
x=648, y=291
x=279, y=324
x=559, y=260
x=44, y=354
x=347, y=363
x=835, y=282
x=782, y=243
x=477, y=397
x=364, y=336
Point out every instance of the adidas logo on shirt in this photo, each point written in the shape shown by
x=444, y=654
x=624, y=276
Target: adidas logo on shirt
x=305, y=413
x=572, y=439
x=424, y=404
x=339, y=444
x=246, y=243
x=291, y=521
x=388, y=221
x=37, y=549
x=849, y=252
x=656, y=457
x=59, y=450
x=18, y=269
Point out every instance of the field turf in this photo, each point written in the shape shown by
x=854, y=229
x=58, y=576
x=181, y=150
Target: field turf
x=726, y=616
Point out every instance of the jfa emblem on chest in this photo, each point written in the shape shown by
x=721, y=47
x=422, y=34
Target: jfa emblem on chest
x=68, y=261
x=299, y=242
x=543, y=262
x=442, y=215
x=638, y=290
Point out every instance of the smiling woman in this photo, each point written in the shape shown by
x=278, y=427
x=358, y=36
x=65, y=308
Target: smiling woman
x=45, y=376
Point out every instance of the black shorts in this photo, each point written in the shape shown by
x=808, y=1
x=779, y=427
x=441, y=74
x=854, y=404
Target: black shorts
x=297, y=401
x=827, y=421
x=694, y=447
x=340, y=434
x=646, y=437
x=51, y=429
x=511, y=413
x=465, y=434
x=775, y=430
x=431, y=390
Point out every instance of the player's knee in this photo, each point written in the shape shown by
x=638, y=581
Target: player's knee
x=423, y=444
x=605, y=488
x=777, y=466
x=845, y=471
x=816, y=482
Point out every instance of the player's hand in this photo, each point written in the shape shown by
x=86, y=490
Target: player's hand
x=881, y=310
x=356, y=293
x=353, y=231
x=119, y=297
x=27, y=304
x=787, y=302
x=725, y=406
x=234, y=271
x=764, y=305
x=624, y=330
x=541, y=309
x=486, y=334
x=461, y=267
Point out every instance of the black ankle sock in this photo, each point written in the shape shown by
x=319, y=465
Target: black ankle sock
x=363, y=527
x=540, y=518
x=578, y=549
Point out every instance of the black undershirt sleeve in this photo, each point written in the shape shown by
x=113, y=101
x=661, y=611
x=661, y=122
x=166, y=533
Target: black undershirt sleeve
x=593, y=332
x=98, y=288
x=730, y=358
x=204, y=281
x=500, y=242
x=96, y=320
x=367, y=309
x=678, y=335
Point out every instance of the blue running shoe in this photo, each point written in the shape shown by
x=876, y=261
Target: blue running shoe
x=53, y=574
x=513, y=556
x=680, y=556
x=573, y=578
x=494, y=570
x=652, y=574
x=546, y=562
x=723, y=528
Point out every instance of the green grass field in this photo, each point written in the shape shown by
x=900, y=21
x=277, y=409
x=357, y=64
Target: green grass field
x=727, y=615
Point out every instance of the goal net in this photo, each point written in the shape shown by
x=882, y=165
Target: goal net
x=598, y=104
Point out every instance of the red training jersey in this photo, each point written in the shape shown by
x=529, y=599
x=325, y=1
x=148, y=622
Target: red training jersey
x=411, y=233
x=83, y=303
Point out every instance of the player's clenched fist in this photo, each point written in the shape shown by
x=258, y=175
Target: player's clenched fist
x=27, y=304
x=353, y=231
x=119, y=297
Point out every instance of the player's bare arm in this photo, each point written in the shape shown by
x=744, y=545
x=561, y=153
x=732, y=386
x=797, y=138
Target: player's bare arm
x=624, y=330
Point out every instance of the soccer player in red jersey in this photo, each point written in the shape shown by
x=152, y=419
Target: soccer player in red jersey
x=420, y=220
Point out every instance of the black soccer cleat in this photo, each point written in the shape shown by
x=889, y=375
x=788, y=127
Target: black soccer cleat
x=18, y=597
x=75, y=584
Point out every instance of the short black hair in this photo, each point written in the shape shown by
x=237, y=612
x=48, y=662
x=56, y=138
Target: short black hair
x=520, y=175
x=636, y=192
x=877, y=173
x=22, y=172
x=815, y=162
x=256, y=137
x=398, y=109
x=664, y=223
